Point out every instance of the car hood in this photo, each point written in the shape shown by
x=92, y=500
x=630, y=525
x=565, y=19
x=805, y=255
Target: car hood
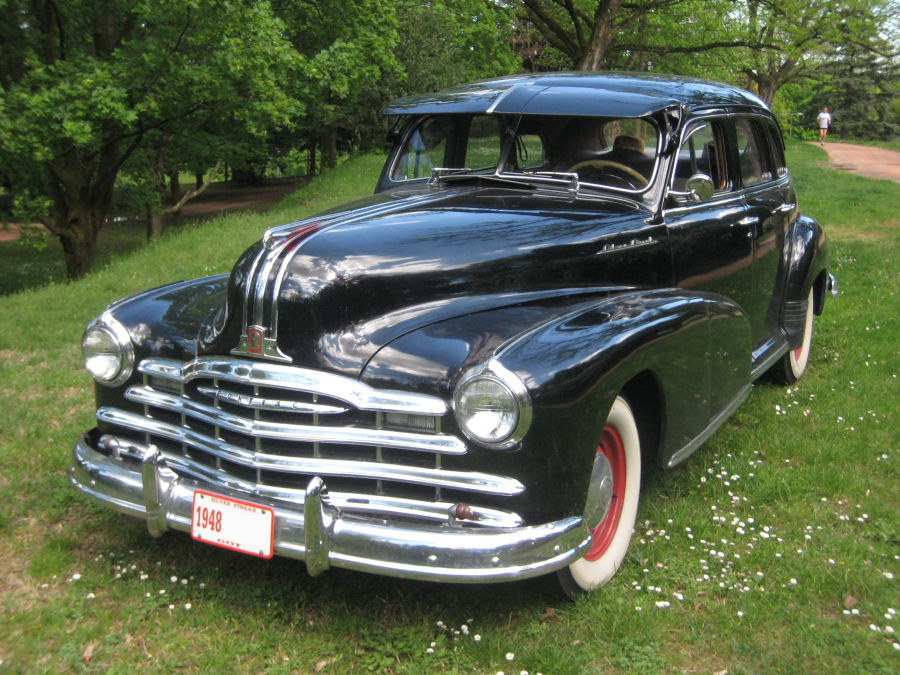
x=330, y=291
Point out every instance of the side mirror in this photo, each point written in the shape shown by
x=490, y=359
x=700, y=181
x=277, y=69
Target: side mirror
x=700, y=188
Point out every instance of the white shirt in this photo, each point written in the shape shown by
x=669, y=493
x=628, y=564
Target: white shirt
x=824, y=119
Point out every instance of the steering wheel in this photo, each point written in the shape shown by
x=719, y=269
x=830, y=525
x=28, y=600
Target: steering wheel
x=603, y=163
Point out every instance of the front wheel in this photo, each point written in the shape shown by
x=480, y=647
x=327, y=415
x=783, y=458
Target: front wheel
x=611, y=507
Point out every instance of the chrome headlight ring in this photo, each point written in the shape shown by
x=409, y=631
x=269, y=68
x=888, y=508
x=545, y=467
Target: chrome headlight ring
x=112, y=347
x=494, y=377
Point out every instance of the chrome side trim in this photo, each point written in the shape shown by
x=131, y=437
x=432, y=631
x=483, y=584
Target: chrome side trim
x=269, y=404
x=766, y=356
x=717, y=421
x=264, y=374
x=439, y=443
x=425, y=552
x=462, y=480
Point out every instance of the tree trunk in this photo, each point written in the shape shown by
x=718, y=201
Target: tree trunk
x=175, y=195
x=79, y=249
x=154, y=226
x=198, y=177
x=311, y=160
x=329, y=147
x=81, y=200
x=601, y=35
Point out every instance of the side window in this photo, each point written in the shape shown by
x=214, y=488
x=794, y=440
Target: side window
x=703, y=152
x=424, y=150
x=754, y=160
x=485, y=143
x=777, y=150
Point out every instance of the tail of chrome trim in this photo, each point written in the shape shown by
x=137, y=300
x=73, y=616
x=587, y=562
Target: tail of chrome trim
x=833, y=286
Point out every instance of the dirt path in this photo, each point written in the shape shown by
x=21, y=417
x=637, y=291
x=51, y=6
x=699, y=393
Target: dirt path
x=864, y=160
x=216, y=199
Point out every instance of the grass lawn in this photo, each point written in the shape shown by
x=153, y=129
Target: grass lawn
x=774, y=549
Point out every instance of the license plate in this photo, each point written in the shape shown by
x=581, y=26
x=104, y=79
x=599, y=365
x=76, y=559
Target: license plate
x=233, y=524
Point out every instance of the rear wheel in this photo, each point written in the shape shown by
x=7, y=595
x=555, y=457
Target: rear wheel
x=793, y=364
x=612, y=502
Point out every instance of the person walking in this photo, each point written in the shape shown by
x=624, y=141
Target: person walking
x=824, y=120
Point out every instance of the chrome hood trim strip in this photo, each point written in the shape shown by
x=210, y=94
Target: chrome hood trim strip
x=462, y=480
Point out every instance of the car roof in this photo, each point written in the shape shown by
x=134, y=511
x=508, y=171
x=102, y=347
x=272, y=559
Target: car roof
x=614, y=94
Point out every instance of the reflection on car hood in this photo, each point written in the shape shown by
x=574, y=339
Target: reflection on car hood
x=364, y=275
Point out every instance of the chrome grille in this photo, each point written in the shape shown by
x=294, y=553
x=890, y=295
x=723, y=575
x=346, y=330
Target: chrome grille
x=268, y=428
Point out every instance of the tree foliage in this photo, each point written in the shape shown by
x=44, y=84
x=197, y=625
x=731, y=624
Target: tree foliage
x=85, y=82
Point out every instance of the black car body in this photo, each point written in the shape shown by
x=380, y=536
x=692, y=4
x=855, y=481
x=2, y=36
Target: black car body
x=457, y=378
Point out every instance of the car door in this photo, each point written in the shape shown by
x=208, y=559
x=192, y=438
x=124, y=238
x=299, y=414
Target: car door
x=711, y=241
x=770, y=201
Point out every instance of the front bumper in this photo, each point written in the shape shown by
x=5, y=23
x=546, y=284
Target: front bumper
x=323, y=536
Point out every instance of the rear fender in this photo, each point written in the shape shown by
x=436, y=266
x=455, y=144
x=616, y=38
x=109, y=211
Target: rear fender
x=807, y=258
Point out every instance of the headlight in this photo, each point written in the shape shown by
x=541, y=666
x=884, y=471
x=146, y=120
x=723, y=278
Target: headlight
x=492, y=406
x=107, y=351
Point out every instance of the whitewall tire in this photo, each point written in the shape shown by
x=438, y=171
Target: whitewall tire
x=612, y=503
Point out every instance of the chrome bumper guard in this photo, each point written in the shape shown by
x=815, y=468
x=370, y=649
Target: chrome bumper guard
x=324, y=536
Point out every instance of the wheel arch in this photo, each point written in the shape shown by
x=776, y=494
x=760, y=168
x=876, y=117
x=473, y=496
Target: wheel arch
x=644, y=395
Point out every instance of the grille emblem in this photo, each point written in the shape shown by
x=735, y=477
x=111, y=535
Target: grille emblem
x=254, y=339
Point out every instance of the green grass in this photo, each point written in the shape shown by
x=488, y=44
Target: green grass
x=797, y=461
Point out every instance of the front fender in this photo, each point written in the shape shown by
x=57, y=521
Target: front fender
x=697, y=347
x=574, y=359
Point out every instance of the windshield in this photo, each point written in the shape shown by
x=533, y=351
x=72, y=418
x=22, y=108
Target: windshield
x=612, y=153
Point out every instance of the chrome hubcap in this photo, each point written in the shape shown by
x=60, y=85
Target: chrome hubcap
x=600, y=492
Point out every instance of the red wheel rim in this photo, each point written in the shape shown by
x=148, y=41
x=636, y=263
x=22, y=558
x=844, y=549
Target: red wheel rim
x=612, y=447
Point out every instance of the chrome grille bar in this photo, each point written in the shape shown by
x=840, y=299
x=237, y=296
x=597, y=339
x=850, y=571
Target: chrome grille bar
x=269, y=404
x=461, y=480
x=264, y=374
x=297, y=432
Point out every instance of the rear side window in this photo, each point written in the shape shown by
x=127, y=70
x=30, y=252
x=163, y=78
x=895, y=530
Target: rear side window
x=777, y=149
x=754, y=160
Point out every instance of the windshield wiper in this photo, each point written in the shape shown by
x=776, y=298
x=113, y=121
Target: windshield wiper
x=441, y=175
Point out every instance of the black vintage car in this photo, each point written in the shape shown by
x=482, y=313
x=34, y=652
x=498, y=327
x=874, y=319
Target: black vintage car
x=558, y=278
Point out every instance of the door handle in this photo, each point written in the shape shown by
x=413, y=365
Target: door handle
x=752, y=220
x=786, y=207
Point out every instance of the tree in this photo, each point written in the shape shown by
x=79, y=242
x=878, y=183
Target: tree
x=797, y=34
x=594, y=34
x=858, y=89
x=345, y=45
x=85, y=82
